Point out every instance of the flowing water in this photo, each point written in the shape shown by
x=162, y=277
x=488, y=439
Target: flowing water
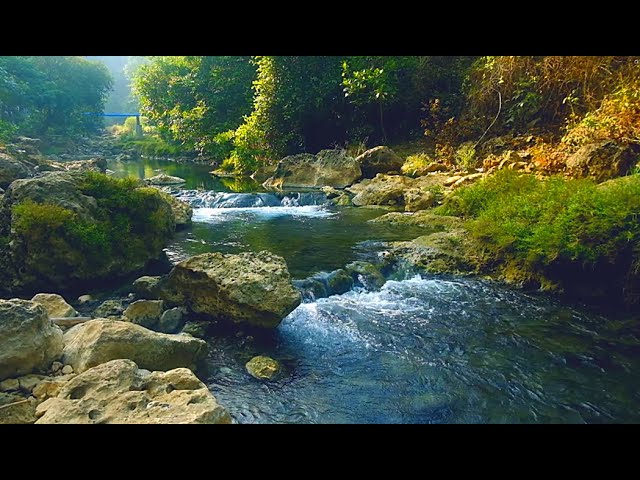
x=424, y=349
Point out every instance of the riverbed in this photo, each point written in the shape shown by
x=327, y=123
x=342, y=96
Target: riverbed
x=422, y=349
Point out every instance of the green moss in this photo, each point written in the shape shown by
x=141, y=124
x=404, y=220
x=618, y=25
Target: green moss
x=129, y=226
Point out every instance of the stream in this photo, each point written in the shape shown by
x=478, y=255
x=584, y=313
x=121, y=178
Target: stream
x=422, y=349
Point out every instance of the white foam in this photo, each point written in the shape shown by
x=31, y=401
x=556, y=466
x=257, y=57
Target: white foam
x=216, y=215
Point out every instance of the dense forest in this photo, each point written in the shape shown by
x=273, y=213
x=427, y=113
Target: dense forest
x=392, y=239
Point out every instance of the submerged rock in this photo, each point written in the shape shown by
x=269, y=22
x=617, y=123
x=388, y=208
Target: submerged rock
x=253, y=288
x=120, y=392
x=366, y=274
x=379, y=160
x=262, y=368
x=99, y=341
x=55, y=305
x=28, y=339
x=332, y=168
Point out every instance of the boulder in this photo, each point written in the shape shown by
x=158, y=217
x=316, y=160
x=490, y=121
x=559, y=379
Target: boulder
x=108, y=309
x=164, y=179
x=332, y=168
x=12, y=169
x=416, y=199
x=28, y=339
x=181, y=211
x=384, y=190
x=61, y=259
x=119, y=392
x=144, y=312
x=172, y=320
x=262, y=368
x=147, y=287
x=252, y=288
x=55, y=305
x=602, y=161
x=379, y=160
x=92, y=165
x=100, y=340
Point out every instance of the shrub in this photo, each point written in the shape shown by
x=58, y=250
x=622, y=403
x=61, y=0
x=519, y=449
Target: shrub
x=466, y=157
x=540, y=222
x=415, y=164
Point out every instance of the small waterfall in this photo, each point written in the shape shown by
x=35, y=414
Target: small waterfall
x=211, y=199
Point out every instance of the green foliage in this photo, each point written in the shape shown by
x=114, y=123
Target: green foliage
x=546, y=91
x=465, y=157
x=50, y=95
x=416, y=164
x=129, y=223
x=193, y=99
x=540, y=222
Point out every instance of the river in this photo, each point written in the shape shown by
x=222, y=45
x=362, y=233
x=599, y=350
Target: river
x=423, y=349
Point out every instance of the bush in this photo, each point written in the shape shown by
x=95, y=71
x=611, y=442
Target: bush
x=416, y=164
x=466, y=157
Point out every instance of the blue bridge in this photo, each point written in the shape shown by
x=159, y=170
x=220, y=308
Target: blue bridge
x=126, y=115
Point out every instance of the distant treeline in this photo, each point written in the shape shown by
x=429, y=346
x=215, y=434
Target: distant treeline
x=45, y=95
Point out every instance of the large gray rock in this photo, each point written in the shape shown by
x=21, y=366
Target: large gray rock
x=253, y=288
x=181, y=211
x=602, y=161
x=61, y=258
x=119, y=392
x=396, y=191
x=332, y=168
x=379, y=160
x=164, y=179
x=100, y=341
x=144, y=312
x=147, y=287
x=55, y=305
x=28, y=339
x=12, y=169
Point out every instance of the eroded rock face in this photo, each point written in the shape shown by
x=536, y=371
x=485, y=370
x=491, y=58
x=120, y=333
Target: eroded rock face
x=383, y=190
x=379, y=160
x=99, y=341
x=120, y=392
x=602, y=161
x=332, y=168
x=28, y=339
x=252, y=288
x=55, y=305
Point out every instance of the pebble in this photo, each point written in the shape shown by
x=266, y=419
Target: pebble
x=67, y=369
x=225, y=370
x=85, y=299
